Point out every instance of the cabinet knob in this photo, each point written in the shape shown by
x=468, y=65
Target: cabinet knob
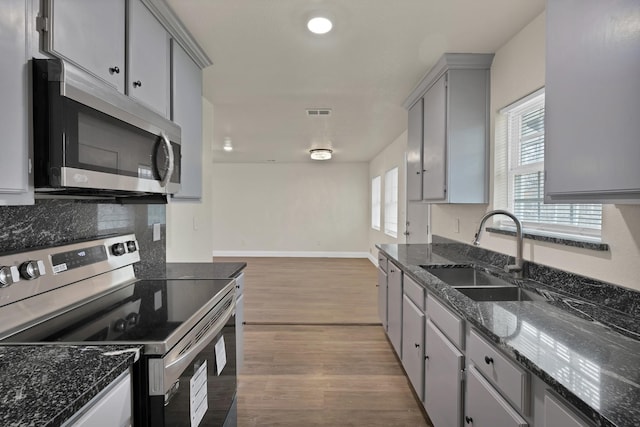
x=137, y=83
x=469, y=420
x=488, y=360
x=417, y=345
x=115, y=70
x=426, y=357
x=418, y=173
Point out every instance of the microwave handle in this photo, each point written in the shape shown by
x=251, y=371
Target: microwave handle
x=169, y=153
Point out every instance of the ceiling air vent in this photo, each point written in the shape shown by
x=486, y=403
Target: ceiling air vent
x=318, y=112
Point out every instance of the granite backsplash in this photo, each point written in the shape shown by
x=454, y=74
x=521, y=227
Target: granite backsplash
x=52, y=222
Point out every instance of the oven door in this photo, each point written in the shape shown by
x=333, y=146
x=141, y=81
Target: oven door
x=203, y=390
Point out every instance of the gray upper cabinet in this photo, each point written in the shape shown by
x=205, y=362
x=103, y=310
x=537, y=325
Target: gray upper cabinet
x=414, y=152
x=91, y=34
x=592, y=99
x=186, y=111
x=455, y=131
x=148, y=59
x=14, y=107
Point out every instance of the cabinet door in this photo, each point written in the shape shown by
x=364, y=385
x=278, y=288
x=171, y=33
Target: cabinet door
x=414, y=152
x=434, y=149
x=557, y=414
x=592, y=99
x=111, y=408
x=14, y=105
x=90, y=34
x=413, y=344
x=443, y=366
x=485, y=407
x=382, y=298
x=186, y=111
x=239, y=333
x=148, y=59
x=394, y=308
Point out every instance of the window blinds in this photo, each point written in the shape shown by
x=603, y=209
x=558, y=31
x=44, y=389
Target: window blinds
x=375, y=203
x=391, y=202
x=525, y=123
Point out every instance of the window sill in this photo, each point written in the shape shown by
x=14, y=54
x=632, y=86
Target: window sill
x=560, y=239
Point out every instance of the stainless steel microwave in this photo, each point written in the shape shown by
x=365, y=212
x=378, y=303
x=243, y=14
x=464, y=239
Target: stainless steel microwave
x=90, y=140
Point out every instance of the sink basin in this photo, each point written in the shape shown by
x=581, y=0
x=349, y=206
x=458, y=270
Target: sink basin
x=512, y=293
x=466, y=276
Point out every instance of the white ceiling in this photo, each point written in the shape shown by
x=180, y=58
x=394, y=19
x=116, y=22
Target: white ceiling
x=268, y=68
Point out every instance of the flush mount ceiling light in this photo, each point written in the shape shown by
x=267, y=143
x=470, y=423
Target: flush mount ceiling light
x=319, y=25
x=227, y=144
x=321, y=154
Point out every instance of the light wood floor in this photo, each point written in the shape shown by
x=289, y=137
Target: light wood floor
x=330, y=364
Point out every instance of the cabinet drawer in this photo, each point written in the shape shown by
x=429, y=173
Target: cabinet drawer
x=449, y=323
x=509, y=378
x=414, y=291
x=382, y=262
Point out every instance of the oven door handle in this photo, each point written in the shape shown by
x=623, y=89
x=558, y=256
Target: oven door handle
x=174, y=369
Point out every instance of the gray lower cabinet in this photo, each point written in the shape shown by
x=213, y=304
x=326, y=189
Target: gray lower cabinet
x=239, y=322
x=112, y=407
x=443, y=368
x=14, y=105
x=186, y=111
x=558, y=414
x=394, y=307
x=485, y=407
x=413, y=344
x=382, y=298
x=592, y=99
x=91, y=34
x=148, y=59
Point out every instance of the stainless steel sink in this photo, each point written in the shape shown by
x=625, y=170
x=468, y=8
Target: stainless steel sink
x=512, y=293
x=467, y=276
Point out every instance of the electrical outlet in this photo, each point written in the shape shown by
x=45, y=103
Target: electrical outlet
x=156, y=232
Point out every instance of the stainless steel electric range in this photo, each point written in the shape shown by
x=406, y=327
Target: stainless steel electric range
x=87, y=293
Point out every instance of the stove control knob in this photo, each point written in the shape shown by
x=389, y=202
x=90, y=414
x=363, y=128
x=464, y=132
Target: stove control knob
x=131, y=246
x=132, y=319
x=8, y=276
x=118, y=249
x=120, y=325
x=32, y=269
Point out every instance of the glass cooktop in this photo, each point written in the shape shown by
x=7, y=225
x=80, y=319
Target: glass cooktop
x=144, y=311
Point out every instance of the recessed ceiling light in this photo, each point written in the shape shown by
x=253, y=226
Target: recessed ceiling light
x=227, y=144
x=319, y=25
x=321, y=154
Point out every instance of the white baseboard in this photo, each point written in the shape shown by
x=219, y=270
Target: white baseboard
x=291, y=254
x=373, y=259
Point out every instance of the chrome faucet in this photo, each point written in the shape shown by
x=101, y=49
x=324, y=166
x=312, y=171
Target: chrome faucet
x=515, y=269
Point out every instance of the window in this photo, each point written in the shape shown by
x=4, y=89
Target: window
x=391, y=202
x=375, y=203
x=525, y=174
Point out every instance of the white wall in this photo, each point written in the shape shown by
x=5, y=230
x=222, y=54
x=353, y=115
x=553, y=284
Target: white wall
x=292, y=209
x=392, y=156
x=189, y=226
x=518, y=69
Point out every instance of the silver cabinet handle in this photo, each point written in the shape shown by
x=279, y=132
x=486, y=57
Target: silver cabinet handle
x=169, y=155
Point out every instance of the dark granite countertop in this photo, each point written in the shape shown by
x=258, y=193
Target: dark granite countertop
x=44, y=385
x=578, y=351
x=201, y=270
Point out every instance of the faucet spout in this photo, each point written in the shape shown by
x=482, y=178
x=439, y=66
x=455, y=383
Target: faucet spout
x=517, y=268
